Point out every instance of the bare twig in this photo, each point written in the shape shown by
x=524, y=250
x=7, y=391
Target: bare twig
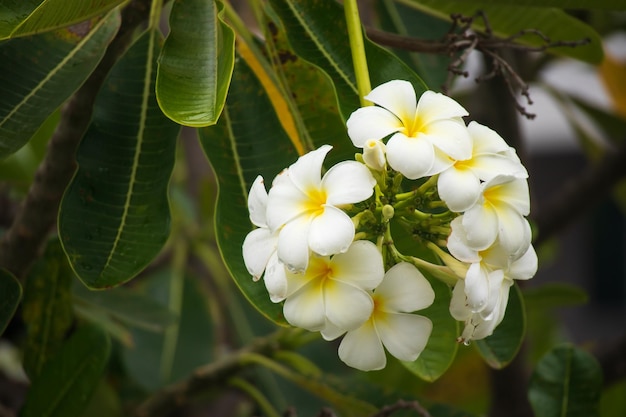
x=402, y=405
x=22, y=242
x=461, y=40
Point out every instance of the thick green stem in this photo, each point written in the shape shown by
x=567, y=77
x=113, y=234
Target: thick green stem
x=357, y=46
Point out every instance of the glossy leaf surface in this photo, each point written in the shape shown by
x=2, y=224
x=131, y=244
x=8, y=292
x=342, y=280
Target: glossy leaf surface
x=67, y=381
x=38, y=73
x=27, y=17
x=47, y=308
x=11, y=291
x=115, y=217
x=501, y=347
x=566, y=383
x=196, y=63
x=508, y=20
x=247, y=141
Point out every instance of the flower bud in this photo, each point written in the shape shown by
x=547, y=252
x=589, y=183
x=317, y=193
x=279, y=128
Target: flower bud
x=374, y=154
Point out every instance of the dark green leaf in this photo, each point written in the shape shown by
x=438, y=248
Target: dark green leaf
x=128, y=306
x=47, y=308
x=508, y=20
x=10, y=296
x=67, y=381
x=563, y=4
x=553, y=294
x=442, y=346
x=501, y=347
x=115, y=216
x=26, y=17
x=247, y=141
x=196, y=65
x=566, y=383
x=317, y=32
x=38, y=73
x=195, y=341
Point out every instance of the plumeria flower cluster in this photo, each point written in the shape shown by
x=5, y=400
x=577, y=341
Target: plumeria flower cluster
x=324, y=247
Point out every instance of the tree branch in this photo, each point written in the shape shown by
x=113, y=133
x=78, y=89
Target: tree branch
x=23, y=241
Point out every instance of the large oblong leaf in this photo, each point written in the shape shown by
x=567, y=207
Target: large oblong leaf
x=441, y=348
x=501, y=347
x=68, y=379
x=567, y=382
x=507, y=20
x=196, y=63
x=11, y=291
x=247, y=141
x=38, y=73
x=115, y=217
x=317, y=32
x=27, y=17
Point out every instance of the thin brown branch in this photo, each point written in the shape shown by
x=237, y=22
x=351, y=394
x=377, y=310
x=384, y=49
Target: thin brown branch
x=402, y=405
x=580, y=194
x=22, y=242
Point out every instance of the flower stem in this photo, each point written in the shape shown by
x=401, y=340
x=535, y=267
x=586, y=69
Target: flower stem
x=357, y=46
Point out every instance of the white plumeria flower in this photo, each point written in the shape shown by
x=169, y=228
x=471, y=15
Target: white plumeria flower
x=496, y=283
x=307, y=208
x=499, y=214
x=335, y=290
x=428, y=136
x=459, y=185
x=259, y=246
x=403, y=291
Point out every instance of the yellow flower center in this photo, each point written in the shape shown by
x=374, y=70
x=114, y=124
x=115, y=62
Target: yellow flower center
x=315, y=202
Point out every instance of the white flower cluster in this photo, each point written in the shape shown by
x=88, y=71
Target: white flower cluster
x=304, y=249
x=479, y=175
x=334, y=280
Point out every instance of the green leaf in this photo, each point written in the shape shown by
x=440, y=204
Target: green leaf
x=38, y=73
x=67, y=381
x=247, y=141
x=27, y=17
x=127, y=305
x=194, y=347
x=508, y=20
x=317, y=32
x=195, y=66
x=441, y=348
x=501, y=347
x=115, y=217
x=566, y=383
x=563, y=4
x=11, y=291
x=554, y=294
x=47, y=308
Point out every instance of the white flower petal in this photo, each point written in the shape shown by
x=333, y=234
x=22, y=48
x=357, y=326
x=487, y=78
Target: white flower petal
x=362, y=349
x=458, y=188
x=404, y=335
x=374, y=152
x=509, y=190
x=525, y=267
x=275, y=279
x=458, y=245
x=293, y=245
x=487, y=166
x=450, y=136
x=441, y=162
x=285, y=202
x=404, y=289
x=257, y=202
x=495, y=283
x=371, y=123
x=331, y=332
x=361, y=265
x=306, y=172
x=413, y=157
x=458, y=304
x=257, y=248
x=477, y=287
x=397, y=96
x=347, y=306
x=436, y=106
x=480, y=223
x=514, y=232
x=348, y=182
x=305, y=308
x=485, y=139
x=330, y=232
